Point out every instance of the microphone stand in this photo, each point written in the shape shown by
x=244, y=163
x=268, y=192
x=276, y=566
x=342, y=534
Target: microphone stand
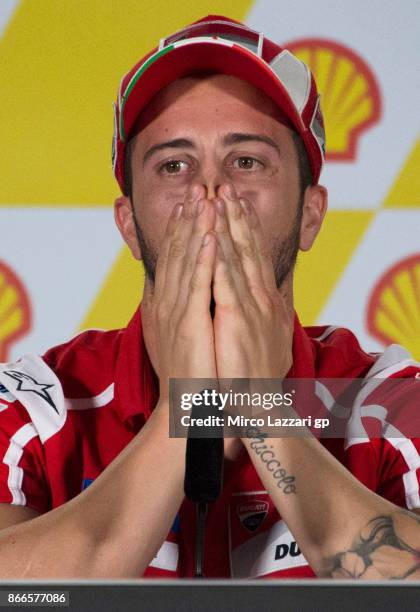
x=203, y=479
x=201, y=508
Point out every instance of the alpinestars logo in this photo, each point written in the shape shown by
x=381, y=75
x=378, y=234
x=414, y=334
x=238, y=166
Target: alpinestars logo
x=28, y=384
x=252, y=514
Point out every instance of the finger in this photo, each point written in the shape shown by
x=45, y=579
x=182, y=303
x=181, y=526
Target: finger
x=199, y=294
x=230, y=288
x=194, y=194
x=162, y=262
x=242, y=236
x=173, y=250
x=203, y=222
x=237, y=220
x=241, y=253
x=225, y=290
x=226, y=252
x=262, y=246
x=221, y=228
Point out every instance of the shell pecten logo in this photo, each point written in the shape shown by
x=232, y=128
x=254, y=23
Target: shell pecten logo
x=15, y=310
x=393, y=312
x=350, y=94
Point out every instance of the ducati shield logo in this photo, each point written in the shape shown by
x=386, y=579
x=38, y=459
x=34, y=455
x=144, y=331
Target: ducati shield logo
x=252, y=514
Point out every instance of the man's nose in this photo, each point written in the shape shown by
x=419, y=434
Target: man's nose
x=211, y=177
x=212, y=188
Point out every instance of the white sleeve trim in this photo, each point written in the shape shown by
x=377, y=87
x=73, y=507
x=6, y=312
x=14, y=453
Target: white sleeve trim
x=97, y=401
x=327, y=332
x=12, y=457
x=167, y=557
x=410, y=480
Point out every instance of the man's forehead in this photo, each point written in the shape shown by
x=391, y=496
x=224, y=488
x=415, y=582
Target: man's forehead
x=228, y=84
x=190, y=94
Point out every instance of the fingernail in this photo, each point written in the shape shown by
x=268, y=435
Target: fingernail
x=200, y=207
x=177, y=211
x=194, y=193
x=229, y=191
x=206, y=239
x=245, y=206
x=220, y=207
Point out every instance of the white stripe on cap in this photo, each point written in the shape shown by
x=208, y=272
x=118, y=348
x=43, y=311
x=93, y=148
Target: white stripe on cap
x=295, y=77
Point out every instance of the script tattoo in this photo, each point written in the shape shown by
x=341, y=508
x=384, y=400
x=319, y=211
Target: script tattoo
x=266, y=453
x=381, y=550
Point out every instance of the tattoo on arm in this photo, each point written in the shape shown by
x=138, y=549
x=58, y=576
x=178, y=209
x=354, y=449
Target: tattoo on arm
x=266, y=454
x=381, y=550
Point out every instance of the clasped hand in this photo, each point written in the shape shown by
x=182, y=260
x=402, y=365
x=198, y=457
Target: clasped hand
x=217, y=247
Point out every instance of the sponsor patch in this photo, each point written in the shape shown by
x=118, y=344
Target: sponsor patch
x=252, y=514
x=260, y=542
x=271, y=551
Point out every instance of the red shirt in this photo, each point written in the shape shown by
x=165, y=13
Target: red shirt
x=64, y=417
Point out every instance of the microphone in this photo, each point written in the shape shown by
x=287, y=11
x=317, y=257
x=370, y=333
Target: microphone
x=204, y=456
x=204, y=460
x=203, y=468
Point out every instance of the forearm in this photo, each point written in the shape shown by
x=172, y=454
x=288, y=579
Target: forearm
x=342, y=528
x=116, y=526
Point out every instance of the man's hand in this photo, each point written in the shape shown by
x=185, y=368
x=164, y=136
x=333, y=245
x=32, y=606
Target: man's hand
x=253, y=329
x=179, y=306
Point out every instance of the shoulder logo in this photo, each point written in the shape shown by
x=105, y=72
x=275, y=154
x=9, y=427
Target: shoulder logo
x=26, y=383
x=252, y=514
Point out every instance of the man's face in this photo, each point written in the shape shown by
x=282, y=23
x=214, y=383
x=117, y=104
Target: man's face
x=211, y=131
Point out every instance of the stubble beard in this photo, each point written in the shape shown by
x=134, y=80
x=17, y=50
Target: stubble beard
x=284, y=252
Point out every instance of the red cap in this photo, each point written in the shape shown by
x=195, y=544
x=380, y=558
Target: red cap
x=219, y=44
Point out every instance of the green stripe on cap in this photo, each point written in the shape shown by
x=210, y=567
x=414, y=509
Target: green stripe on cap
x=134, y=80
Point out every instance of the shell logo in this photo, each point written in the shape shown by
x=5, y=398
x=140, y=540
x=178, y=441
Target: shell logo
x=15, y=310
x=350, y=94
x=393, y=312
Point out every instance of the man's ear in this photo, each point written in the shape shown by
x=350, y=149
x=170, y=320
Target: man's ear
x=315, y=204
x=123, y=214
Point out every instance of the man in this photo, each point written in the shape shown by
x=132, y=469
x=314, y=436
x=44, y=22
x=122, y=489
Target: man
x=218, y=149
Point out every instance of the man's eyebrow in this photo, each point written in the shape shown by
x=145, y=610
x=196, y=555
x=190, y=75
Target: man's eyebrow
x=228, y=140
x=177, y=143
x=239, y=137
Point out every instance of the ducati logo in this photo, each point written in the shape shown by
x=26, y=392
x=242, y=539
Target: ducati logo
x=252, y=514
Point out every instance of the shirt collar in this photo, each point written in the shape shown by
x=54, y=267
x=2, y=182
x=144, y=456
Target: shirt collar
x=136, y=384
x=304, y=353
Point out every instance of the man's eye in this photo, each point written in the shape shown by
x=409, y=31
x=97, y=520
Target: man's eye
x=174, y=166
x=246, y=163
